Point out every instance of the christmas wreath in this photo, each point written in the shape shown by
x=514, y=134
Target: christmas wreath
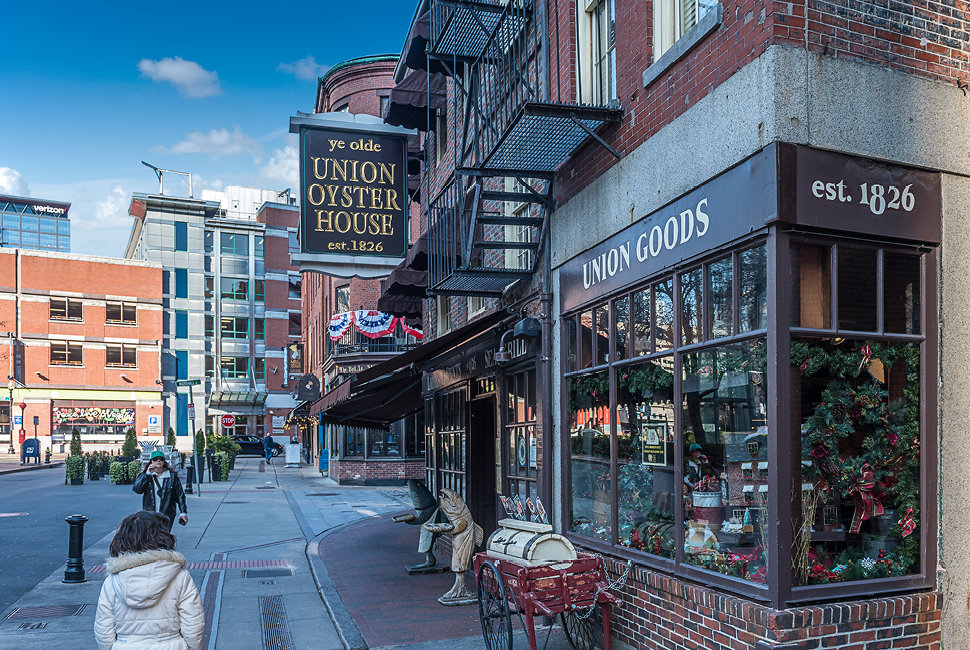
x=855, y=404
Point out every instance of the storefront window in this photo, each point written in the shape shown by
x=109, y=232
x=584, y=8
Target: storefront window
x=591, y=512
x=753, y=289
x=663, y=314
x=725, y=434
x=860, y=443
x=691, y=292
x=721, y=298
x=646, y=488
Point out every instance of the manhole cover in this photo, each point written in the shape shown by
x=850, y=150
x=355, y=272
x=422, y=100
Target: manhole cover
x=323, y=494
x=267, y=573
x=44, y=612
x=33, y=626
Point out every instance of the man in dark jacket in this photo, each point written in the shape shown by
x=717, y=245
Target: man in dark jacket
x=161, y=489
x=268, y=446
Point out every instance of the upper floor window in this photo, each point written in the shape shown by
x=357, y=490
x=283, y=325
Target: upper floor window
x=343, y=299
x=259, y=290
x=235, y=328
x=260, y=245
x=207, y=241
x=296, y=324
x=181, y=236
x=597, y=52
x=235, y=367
x=234, y=243
x=66, y=354
x=124, y=356
x=120, y=312
x=234, y=289
x=65, y=309
x=674, y=18
x=259, y=329
x=295, y=286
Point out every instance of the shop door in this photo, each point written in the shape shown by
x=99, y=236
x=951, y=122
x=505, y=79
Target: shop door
x=483, y=464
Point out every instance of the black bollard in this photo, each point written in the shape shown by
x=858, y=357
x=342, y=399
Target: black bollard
x=189, y=470
x=75, y=553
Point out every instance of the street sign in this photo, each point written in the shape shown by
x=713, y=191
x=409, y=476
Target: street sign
x=154, y=424
x=188, y=382
x=191, y=410
x=228, y=420
x=18, y=420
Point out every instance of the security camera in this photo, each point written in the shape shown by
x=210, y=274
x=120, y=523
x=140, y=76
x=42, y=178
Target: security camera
x=159, y=382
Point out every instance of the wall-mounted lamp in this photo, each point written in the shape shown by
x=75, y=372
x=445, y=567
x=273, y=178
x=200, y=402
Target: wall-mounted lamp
x=527, y=328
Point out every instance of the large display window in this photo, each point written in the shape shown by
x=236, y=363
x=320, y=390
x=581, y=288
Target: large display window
x=755, y=418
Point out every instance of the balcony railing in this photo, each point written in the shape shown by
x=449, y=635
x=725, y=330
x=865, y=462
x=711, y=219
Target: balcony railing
x=353, y=342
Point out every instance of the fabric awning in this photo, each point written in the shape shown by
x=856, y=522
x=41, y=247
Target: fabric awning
x=416, y=48
x=410, y=100
x=407, y=285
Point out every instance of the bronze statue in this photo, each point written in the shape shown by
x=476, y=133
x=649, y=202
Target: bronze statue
x=427, y=511
x=466, y=537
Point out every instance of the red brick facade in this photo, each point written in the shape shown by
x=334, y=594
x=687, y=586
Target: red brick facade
x=31, y=281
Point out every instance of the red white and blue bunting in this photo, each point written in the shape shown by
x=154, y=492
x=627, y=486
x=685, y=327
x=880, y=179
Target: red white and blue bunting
x=374, y=324
x=339, y=324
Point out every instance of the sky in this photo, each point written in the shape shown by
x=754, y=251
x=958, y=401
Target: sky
x=90, y=90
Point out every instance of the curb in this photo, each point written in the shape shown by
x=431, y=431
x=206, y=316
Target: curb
x=347, y=628
x=28, y=468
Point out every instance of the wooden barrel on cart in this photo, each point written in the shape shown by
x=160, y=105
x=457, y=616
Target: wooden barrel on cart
x=529, y=544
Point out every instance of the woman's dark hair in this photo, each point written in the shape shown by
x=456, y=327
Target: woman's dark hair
x=142, y=531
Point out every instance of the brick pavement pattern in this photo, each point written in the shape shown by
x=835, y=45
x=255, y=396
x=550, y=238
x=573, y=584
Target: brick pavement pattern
x=366, y=563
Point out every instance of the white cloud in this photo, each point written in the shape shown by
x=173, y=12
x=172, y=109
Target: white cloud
x=12, y=182
x=307, y=68
x=219, y=142
x=283, y=166
x=110, y=212
x=190, y=78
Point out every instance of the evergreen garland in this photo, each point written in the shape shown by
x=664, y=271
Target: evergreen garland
x=854, y=402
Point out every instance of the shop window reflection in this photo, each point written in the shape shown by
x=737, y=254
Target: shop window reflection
x=591, y=507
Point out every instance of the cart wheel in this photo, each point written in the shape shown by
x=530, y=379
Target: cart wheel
x=493, y=609
x=583, y=633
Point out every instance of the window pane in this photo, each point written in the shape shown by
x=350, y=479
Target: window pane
x=181, y=324
x=260, y=250
x=725, y=436
x=112, y=311
x=753, y=292
x=641, y=323
x=74, y=309
x=571, y=345
x=210, y=326
x=181, y=236
x=591, y=504
x=721, y=300
x=129, y=355
x=691, y=320
x=586, y=340
x=181, y=283
x=208, y=241
x=811, y=286
x=210, y=286
x=621, y=318
x=857, y=289
x=663, y=313
x=294, y=288
x=296, y=325
x=112, y=355
x=646, y=491
x=860, y=476
x=901, y=277
x=259, y=291
x=601, y=337
x=259, y=329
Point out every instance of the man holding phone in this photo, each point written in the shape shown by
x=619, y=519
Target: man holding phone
x=161, y=489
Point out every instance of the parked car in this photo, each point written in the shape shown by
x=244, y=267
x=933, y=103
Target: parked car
x=253, y=446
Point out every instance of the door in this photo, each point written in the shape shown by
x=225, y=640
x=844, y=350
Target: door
x=481, y=465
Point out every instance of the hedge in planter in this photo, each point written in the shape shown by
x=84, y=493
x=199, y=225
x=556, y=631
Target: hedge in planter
x=118, y=472
x=134, y=468
x=74, y=469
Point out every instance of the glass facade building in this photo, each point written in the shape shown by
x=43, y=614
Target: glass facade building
x=35, y=224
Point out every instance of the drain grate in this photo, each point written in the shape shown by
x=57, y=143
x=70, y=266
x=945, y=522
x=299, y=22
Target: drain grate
x=233, y=503
x=33, y=626
x=44, y=612
x=266, y=488
x=267, y=582
x=276, y=631
x=267, y=573
x=323, y=494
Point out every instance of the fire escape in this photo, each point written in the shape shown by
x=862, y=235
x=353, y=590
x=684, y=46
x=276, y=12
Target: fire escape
x=487, y=222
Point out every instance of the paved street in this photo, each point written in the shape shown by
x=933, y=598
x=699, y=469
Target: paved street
x=283, y=558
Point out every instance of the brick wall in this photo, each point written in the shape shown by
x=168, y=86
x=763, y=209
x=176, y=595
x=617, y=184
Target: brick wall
x=375, y=472
x=360, y=86
x=659, y=611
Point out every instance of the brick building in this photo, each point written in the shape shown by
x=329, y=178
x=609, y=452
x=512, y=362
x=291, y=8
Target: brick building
x=355, y=454
x=731, y=231
x=81, y=346
x=232, y=317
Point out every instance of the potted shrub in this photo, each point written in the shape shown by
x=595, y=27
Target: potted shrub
x=130, y=448
x=134, y=468
x=220, y=466
x=118, y=473
x=76, y=442
x=74, y=469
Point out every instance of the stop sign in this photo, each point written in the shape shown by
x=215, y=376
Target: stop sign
x=228, y=420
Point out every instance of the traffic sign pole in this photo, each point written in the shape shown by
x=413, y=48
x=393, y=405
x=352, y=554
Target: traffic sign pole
x=195, y=443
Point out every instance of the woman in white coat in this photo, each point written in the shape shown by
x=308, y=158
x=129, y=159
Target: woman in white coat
x=148, y=599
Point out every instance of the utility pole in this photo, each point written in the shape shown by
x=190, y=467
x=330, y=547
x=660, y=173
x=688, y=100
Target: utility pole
x=195, y=447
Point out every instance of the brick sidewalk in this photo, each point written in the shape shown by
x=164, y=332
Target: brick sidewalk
x=366, y=563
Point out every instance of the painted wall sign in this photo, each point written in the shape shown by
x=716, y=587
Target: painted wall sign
x=781, y=183
x=353, y=186
x=723, y=209
x=475, y=362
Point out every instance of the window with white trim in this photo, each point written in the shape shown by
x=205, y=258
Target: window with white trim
x=597, y=52
x=66, y=354
x=121, y=356
x=65, y=309
x=674, y=18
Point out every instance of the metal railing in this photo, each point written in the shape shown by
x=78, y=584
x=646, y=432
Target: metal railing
x=353, y=342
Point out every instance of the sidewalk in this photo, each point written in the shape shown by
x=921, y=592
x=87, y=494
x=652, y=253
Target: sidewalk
x=284, y=559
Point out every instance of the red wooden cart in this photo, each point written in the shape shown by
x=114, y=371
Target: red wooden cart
x=571, y=589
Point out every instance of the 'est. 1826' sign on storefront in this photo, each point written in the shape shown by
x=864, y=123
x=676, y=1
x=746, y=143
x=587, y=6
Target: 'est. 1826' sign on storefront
x=354, y=199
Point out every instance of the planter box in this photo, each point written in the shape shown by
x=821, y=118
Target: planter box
x=77, y=481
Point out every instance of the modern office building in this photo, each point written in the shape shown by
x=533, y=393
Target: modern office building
x=80, y=342
x=37, y=224
x=231, y=304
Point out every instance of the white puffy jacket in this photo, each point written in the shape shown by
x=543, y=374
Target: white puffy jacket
x=149, y=600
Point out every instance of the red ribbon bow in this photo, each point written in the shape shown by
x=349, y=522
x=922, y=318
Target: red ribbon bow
x=866, y=357
x=907, y=523
x=867, y=504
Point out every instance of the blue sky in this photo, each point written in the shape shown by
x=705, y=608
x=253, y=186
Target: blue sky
x=89, y=90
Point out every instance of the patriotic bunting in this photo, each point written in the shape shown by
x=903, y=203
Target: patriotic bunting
x=339, y=324
x=413, y=331
x=374, y=324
